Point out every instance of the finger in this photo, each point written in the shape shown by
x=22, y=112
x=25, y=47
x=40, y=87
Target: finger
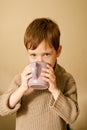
x=46, y=79
x=49, y=71
x=28, y=76
x=28, y=67
x=27, y=70
x=49, y=76
x=50, y=67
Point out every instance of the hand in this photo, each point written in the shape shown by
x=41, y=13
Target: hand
x=49, y=76
x=20, y=91
x=25, y=76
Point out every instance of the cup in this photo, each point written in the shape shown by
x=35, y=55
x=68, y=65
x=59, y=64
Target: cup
x=36, y=81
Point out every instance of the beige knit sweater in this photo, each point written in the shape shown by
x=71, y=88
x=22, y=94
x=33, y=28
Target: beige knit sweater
x=38, y=110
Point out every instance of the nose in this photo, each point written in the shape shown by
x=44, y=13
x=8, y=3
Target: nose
x=40, y=58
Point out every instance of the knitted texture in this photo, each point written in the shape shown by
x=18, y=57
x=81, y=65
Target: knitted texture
x=38, y=110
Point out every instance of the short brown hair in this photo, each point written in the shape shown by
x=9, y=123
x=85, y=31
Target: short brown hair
x=42, y=29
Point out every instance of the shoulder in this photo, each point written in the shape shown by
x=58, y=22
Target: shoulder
x=64, y=79
x=62, y=73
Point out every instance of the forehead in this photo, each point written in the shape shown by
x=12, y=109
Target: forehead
x=43, y=46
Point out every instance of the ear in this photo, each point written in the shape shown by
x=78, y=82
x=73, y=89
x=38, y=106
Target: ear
x=59, y=51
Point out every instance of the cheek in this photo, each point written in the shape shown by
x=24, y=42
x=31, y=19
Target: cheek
x=52, y=61
x=30, y=59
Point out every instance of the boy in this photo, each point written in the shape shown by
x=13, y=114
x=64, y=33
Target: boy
x=49, y=109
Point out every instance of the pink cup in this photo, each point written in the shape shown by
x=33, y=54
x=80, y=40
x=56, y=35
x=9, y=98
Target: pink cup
x=36, y=81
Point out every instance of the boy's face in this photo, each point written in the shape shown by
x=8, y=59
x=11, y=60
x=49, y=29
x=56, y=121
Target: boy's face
x=44, y=53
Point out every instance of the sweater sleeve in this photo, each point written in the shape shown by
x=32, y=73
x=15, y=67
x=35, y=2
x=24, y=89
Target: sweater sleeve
x=4, y=99
x=66, y=105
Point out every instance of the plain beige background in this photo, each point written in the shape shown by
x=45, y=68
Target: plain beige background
x=71, y=16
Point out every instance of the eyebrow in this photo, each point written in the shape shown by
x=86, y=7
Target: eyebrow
x=41, y=52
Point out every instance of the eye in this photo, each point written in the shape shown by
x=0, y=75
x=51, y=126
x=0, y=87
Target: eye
x=33, y=55
x=46, y=54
